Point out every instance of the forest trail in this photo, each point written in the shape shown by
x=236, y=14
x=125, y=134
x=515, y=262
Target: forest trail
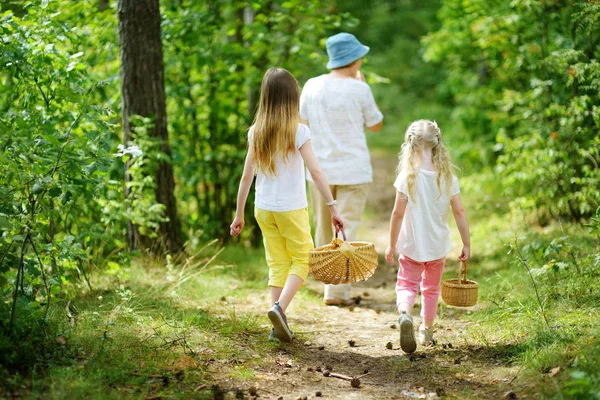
x=355, y=340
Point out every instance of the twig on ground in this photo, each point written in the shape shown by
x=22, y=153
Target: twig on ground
x=354, y=380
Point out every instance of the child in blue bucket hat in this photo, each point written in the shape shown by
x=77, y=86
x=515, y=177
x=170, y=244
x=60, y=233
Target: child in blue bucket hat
x=338, y=106
x=343, y=49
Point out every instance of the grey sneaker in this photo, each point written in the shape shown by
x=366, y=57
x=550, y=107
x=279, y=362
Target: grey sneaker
x=407, y=333
x=272, y=337
x=425, y=335
x=281, y=329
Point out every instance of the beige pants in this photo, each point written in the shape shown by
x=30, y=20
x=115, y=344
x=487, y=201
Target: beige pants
x=351, y=200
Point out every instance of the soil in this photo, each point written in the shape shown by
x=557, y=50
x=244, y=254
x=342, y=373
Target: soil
x=362, y=341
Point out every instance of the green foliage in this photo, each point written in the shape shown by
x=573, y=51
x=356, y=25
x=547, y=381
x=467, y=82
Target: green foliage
x=59, y=213
x=216, y=56
x=56, y=156
x=404, y=85
x=525, y=79
x=393, y=30
x=63, y=209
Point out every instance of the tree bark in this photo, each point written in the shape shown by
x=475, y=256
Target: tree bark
x=143, y=93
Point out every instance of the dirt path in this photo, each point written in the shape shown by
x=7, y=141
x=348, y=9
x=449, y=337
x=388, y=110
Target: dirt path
x=459, y=366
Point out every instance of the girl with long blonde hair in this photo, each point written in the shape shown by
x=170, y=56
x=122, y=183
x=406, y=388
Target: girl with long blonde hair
x=279, y=148
x=426, y=189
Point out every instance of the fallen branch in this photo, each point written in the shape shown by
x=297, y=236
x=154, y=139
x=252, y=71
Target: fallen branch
x=354, y=380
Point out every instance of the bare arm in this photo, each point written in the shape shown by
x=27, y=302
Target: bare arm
x=460, y=216
x=395, y=225
x=376, y=127
x=320, y=181
x=245, y=183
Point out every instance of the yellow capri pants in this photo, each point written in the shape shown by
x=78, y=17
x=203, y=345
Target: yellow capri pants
x=287, y=240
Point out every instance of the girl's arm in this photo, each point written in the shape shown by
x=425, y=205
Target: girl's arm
x=460, y=216
x=320, y=181
x=245, y=183
x=396, y=224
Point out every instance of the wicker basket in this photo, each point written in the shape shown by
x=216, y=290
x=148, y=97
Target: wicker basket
x=460, y=292
x=343, y=262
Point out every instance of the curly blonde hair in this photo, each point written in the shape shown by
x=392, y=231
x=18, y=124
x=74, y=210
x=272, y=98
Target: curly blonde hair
x=425, y=134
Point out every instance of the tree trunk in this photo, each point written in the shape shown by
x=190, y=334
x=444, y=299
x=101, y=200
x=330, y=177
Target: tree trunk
x=142, y=87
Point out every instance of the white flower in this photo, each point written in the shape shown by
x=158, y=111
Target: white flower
x=133, y=150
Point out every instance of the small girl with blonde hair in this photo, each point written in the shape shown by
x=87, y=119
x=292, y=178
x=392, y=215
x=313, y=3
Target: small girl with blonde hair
x=279, y=146
x=426, y=189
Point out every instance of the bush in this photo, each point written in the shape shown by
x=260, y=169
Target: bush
x=526, y=80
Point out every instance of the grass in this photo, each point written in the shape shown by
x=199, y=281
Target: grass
x=510, y=253
x=149, y=331
x=159, y=329
x=142, y=334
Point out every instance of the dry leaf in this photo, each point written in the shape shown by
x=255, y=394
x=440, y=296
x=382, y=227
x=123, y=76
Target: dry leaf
x=554, y=371
x=61, y=340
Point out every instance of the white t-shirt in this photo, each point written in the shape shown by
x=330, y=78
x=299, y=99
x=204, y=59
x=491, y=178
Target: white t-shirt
x=287, y=190
x=337, y=110
x=425, y=235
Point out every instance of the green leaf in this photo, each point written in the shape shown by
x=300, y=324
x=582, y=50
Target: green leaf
x=37, y=188
x=66, y=197
x=55, y=191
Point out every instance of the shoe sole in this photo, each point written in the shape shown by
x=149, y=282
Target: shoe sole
x=407, y=337
x=282, y=332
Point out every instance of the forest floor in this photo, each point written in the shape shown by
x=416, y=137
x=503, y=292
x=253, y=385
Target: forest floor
x=362, y=340
x=197, y=328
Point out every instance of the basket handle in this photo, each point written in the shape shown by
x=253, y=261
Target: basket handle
x=343, y=233
x=462, y=272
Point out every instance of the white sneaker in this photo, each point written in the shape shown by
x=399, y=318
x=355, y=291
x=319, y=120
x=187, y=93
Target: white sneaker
x=425, y=336
x=407, y=333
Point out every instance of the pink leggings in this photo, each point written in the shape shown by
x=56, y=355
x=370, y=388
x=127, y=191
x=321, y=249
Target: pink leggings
x=429, y=275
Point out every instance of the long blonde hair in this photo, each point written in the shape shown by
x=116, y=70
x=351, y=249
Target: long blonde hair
x=277, y=119
x=424, y=134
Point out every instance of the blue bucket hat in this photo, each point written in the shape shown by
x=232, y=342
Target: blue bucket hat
x=343, y=49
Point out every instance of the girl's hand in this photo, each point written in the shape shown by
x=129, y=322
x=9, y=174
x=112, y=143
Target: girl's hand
x=337, y=220
x=465, y=254
x=389, y=254
x=236, y=226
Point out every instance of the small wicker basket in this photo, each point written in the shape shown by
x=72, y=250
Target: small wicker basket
x=343, y=262
x=460, y=292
